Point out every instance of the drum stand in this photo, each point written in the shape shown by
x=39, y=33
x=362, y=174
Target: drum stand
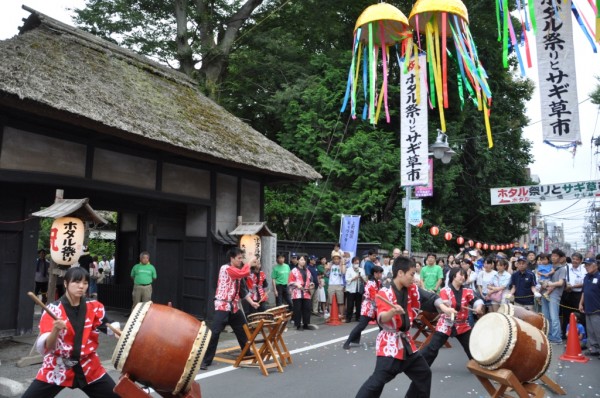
x=507, y=379
x=128, y=389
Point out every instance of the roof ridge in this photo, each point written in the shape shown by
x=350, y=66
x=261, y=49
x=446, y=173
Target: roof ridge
x=91, y=40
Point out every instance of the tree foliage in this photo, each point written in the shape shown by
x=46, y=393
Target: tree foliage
x=286, y=75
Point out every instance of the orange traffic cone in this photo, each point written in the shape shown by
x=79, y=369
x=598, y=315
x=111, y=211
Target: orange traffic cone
x=573, y=351
x=334, y=318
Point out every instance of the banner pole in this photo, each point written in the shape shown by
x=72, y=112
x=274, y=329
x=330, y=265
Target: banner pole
x=407, y=231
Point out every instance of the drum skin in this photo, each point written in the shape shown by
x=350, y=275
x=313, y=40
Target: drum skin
x=167, y=348
x=500, y=341
x=278, y=311
x=532, y=318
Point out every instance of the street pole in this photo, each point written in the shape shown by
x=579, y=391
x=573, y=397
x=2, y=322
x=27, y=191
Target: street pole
x=407, y=231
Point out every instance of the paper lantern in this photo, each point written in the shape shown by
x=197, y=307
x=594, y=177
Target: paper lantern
x=460, y=240
x=448, y=236
x=434, y=230
x=478, y=245
x=439, y=20
x=471, y=243
x=502, y=247
x=493, y=247
x=379, y=27
x=485, y=246
x=525, y=246
x=66, y=240
x=251, y=245
x=420, y=224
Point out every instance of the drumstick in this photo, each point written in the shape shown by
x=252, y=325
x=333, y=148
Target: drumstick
x=114, y=329
x=388, y=302
x=39, y=302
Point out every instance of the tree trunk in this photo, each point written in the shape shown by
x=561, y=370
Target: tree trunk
x=184, y=51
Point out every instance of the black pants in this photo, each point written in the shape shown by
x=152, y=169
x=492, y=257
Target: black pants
x=42, y=288
x=386, y=368
x=430, y=352
x=354, y=336
x=302, y=308
x=101, y=388
x=283, y=295
x=221, y=319
x=567, y=302
x=353, y=307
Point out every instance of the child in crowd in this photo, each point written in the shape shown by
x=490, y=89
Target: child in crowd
x=544, y=272
x=321, y=295
x=580, y=332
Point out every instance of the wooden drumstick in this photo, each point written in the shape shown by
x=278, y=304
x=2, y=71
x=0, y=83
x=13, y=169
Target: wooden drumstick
x=116, y=331
x=388, y=302
x=39, y=302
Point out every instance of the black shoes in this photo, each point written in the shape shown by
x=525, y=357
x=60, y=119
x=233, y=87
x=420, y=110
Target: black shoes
x=203, y=366
x=346, y=346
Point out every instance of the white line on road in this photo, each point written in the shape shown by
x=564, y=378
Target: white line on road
x=296, y=351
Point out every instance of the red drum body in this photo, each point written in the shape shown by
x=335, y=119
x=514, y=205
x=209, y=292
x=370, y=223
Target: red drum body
x=161, y=347
x=532, y=318
x=500, y=341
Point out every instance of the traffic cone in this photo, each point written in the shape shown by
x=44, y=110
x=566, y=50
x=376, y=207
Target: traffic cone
x=573, y=351
x=334, y=318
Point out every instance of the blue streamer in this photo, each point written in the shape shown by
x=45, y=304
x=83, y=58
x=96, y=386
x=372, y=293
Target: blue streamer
x=585, y=31
x=565, y=146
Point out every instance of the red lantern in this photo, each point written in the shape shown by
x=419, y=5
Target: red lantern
x=478, y=245
x=434, y=230
x=471, y=243
x=502, y=247
x=525, y=246
x=420, y=224
x=460, y=240
x=493, y=247
x=485, y=246
x=448, y=236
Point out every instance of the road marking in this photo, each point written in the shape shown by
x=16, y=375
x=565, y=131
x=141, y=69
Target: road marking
x=296, y=351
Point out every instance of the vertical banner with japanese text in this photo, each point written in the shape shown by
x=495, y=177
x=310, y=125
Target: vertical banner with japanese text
x=556, y=71
x=427, y=191
x=415, y=212
x=349, y=234
x=413, y=125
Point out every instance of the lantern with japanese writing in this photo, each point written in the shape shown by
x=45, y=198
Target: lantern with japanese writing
x=380, y=27
x=434, y=230
x=439, y=20
x=448, y=236
x=460, y=240
x=251, y=246
x=66, y=240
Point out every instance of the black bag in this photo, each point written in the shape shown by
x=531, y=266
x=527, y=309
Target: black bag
x=361, y=286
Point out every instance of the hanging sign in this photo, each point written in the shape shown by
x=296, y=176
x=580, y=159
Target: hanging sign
x=349, y=234
x=425, y=192
x=556, y=71
x=414, y=212
x=540, y=193
x=413, y=125
x=66, y=240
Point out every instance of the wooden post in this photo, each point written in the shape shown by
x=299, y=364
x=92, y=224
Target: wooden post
x=52, y=277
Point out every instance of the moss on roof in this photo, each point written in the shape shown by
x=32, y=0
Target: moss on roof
x=70, y=70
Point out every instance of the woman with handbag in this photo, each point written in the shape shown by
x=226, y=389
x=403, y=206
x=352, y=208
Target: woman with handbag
x=355, y=287
x=499, y=287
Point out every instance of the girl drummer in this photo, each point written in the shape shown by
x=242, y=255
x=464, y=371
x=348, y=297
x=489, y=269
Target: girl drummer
x=457, y=297
x=300, y=281
x=65, y=364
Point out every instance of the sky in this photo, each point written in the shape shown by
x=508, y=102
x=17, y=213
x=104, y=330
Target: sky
x=550, y=165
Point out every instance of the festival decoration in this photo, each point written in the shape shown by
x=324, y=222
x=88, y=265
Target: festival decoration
x=448, y=236
x=493, y=247
x=471, y=243
x=478, y=245
x=485, y=246
x=66, y=240
x=460, y=240
x=378, y=28
x=439, y=20
x=434, y=230
x=502, y=247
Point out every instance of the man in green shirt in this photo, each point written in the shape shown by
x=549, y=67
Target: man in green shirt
x=280, y=275
x=143, y=274
x=432, y=274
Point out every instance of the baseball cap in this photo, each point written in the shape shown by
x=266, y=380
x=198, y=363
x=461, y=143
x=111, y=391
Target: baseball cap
x=589, y=260
x=521, y=258
x=293, y=255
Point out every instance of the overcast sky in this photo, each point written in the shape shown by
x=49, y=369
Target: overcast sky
x=551, y=165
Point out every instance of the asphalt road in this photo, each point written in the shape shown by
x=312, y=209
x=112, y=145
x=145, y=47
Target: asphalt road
x=322, y=368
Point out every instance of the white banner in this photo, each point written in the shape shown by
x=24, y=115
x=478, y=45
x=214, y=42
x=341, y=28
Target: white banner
x=414, y=212
x=414, y=169
x=556, y=71
x=540, y=193
x=349, y=234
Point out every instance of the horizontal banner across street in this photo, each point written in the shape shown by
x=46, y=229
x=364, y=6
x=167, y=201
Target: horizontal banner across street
x=540, y=193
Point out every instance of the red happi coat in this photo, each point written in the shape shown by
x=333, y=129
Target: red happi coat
x=461, y=322
x=296, y=277
x=389, y=343
x=53, y=370
x=256, y=284
x=368, y=306
x=228, y=291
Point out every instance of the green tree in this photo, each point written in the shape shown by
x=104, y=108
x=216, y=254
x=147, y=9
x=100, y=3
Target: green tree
x=181, y=33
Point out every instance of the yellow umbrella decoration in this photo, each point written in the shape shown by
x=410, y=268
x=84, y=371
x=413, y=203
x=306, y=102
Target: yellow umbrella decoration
x=439, y=20
x=378, y=28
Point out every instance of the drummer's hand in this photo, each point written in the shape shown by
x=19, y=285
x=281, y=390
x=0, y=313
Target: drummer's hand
x=450, y=311
x=397, y=310
x=479, y=310
x=59, y=324
x=254, y=304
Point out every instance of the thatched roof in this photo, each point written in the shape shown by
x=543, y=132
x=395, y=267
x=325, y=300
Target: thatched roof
x=64, y=73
